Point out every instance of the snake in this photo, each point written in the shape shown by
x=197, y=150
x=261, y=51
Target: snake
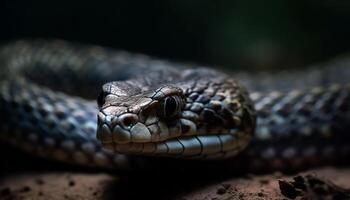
x=148, y=108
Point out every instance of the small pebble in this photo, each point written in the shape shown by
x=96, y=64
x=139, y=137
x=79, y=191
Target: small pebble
x=39, y=181
x=288, y=190
x=221, y=190
x=25, y=189
x=71, y=183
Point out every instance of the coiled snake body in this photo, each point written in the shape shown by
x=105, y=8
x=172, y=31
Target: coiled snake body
x=150, y=107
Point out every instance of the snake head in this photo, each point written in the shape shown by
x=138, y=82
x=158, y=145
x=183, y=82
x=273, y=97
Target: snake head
x=150, y=116
x=173, y=120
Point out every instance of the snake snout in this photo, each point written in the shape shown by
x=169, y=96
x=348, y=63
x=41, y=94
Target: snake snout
x=122, y=129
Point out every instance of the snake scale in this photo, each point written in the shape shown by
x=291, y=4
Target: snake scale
x=148, y=107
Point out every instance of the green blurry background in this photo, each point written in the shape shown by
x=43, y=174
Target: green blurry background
x=235, y=34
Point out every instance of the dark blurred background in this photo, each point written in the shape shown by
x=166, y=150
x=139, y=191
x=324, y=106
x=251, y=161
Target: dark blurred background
x=236, y=34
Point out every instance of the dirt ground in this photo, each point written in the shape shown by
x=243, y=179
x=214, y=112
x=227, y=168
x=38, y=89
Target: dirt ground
x=32, y=178
x=68, y=185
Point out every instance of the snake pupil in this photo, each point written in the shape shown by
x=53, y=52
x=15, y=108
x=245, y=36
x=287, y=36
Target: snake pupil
x=170, y=106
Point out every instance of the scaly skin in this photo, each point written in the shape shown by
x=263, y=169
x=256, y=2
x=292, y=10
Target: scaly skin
x=163, y=109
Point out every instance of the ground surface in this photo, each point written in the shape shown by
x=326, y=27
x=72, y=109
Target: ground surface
x=67, y=185
x=31, y=178
x=72, y=185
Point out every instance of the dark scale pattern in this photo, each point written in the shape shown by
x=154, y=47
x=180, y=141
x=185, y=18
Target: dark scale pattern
x=215, y=101
x=55, y=125
x=44, y=124
x=302, y=126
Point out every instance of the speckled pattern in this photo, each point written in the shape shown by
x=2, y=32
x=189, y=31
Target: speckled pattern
x=298, y=128
x=215, y=120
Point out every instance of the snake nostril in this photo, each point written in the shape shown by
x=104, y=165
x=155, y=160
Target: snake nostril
x=128, y=120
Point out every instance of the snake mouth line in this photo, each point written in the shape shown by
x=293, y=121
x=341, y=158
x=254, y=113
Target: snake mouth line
x=137, y=133
x=128, y=128
x=200, y=146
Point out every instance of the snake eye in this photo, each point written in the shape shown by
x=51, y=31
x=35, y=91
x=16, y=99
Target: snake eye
x=171, y=106
x=101, y=99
